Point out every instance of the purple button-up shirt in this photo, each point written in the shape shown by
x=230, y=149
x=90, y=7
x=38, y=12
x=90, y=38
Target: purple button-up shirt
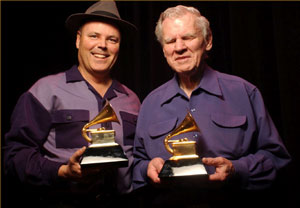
x=234, y=124
x=47, y=121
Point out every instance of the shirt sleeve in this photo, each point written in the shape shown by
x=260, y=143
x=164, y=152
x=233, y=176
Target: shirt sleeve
x=141, y=159
x=259, y=168
x=23, y=152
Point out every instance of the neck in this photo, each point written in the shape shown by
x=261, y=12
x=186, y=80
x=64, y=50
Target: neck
x=189, y=82
x=100, y=82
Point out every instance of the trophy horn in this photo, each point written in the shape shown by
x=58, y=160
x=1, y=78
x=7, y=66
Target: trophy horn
x=187, y=125
x=105, y=115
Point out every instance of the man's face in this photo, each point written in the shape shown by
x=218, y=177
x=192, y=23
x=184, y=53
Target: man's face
x=98, y=46
x=183, y=45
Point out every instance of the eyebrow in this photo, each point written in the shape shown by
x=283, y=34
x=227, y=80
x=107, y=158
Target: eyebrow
x=97, y=33
x=184, y=36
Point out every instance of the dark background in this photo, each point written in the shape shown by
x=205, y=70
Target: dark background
x=258, y=41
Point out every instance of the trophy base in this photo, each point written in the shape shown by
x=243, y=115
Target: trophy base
x=182, y=168
x=112, y=156
x=186, y=173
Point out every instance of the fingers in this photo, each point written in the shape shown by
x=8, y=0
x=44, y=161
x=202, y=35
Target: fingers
x=217, y=177
x=224, y=168
x=154, y=167
x=158, y=163
x=212, y=161
x=153, y=176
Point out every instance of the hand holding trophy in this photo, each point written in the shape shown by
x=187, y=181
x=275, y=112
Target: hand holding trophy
x=103, y=151
x=185, y=161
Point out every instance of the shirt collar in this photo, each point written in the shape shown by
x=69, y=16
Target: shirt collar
x=172, y=90
x=73, y=75
x=118, y=87
x=208, y=83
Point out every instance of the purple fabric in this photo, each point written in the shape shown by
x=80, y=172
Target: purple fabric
x=234, y=124
x=47, y=121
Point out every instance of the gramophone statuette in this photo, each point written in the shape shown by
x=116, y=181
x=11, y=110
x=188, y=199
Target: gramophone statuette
x=103, y=150
x=182, y=148
x=185, y=160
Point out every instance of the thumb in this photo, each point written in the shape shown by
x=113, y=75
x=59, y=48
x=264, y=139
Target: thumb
x=76, y=156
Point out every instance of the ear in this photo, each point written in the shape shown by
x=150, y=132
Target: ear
x=209, y=43
x=78, y=39
x=163, y=48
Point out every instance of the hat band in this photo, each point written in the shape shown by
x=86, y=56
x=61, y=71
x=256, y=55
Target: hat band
x=105, y=13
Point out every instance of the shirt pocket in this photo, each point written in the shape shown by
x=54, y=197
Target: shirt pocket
x=227, y=135
x=68, y=125
x=157, y=132
x=162, y=128
x=228, y=121
x=129, y=124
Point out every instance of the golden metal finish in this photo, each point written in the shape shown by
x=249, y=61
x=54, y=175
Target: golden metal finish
x=182, y=148
x=102, y=137
x=105, y=115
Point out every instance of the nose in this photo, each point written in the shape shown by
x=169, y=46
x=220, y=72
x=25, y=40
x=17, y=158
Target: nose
x=180, y=46
x=102, y=43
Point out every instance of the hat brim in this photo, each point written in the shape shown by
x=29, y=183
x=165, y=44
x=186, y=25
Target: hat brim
x=75, y=21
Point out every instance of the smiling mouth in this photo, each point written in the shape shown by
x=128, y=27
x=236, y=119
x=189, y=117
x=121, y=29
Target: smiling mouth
x=97, y=55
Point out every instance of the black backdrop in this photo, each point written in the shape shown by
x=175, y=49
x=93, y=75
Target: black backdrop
x=259, y=41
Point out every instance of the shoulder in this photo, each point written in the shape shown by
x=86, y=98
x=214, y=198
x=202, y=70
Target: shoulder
x=235, y=83
x=158, y=93
x=130, y=92
x=44, y=84
x=126, y=98
x=45, y=89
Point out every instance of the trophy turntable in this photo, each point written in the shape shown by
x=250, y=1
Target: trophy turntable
x=185, y=161
x=103, y=151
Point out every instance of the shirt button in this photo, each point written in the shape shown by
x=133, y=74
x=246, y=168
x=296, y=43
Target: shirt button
x=193, y=110
x=69, y=117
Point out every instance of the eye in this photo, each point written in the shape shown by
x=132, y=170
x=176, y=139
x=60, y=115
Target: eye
x=188, y=37
x=113, y=40
x=170, y=41
x=93, y=36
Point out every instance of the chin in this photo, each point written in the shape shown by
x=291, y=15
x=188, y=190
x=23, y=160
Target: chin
x=101, y=68
x=185, y=70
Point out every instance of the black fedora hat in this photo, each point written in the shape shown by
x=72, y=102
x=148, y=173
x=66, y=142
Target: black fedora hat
x=106, y=11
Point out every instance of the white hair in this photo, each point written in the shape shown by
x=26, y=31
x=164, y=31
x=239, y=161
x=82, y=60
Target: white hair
x=201, y=23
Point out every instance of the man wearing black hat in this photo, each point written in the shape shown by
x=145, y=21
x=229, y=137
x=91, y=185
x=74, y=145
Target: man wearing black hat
x=44, y=145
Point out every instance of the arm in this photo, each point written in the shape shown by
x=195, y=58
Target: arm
x=259, y=165
x=145, y=168
x=23, y=154
x=141, y=161
x=269, y=154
